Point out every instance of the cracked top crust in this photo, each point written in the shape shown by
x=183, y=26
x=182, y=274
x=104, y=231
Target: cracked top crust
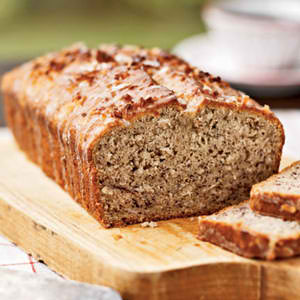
x=95, y=89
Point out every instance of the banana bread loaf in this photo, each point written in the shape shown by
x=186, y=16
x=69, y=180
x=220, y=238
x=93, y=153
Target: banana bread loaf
x=241, y=230
x=279, y=195
x=139, y=135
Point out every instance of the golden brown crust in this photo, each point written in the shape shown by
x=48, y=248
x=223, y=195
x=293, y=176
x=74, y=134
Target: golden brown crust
x=60, y=105
x=274, y=203
x=287, y=247
x=186, y=81
x=277, y=205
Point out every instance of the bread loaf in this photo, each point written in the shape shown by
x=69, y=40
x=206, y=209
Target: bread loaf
x=241, y=230
x=279, y=195
x=138, y=135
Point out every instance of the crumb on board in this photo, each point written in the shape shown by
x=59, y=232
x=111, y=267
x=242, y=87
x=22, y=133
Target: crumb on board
x=117, y=237
x=149, y=224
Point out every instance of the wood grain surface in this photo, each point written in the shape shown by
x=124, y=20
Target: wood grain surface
x=165, y=262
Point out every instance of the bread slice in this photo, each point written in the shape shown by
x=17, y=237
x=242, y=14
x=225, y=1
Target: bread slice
x=139, y=135
x=241, y=230
x=279, y=195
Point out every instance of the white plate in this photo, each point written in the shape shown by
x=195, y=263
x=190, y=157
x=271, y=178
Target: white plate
x=202, y=52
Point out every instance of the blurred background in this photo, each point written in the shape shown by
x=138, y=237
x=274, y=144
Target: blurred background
x=32, y=27
x=253, y=44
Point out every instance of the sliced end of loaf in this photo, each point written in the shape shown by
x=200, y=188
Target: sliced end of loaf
x=180, y=164
x=279, y=195
x=244, y=232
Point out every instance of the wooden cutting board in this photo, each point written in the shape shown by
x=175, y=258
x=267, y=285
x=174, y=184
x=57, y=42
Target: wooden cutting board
x=165, y=262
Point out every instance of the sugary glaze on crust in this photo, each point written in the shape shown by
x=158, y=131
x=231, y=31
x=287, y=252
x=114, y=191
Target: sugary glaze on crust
x=60, y=105
x=190, y=85
x=275, y=203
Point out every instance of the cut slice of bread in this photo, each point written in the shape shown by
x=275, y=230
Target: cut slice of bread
x=279, y=196
x=241, y=230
